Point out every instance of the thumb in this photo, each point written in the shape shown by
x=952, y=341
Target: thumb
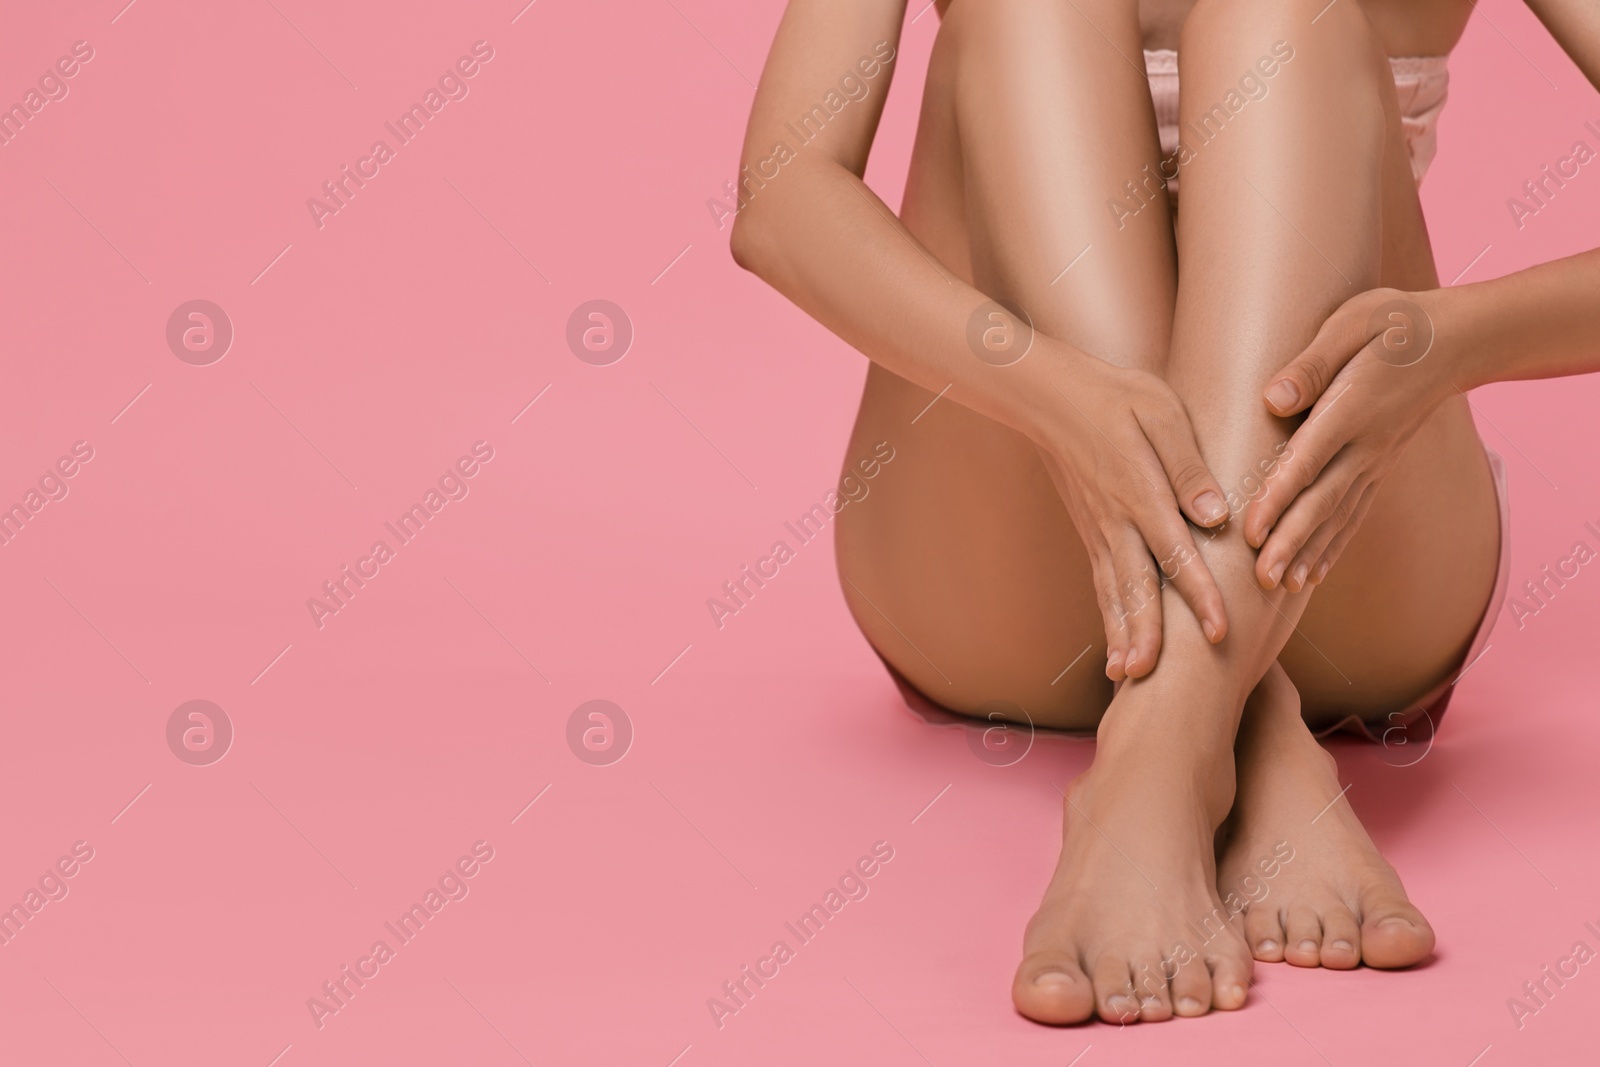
x=1297, y=386
x=1197, y=490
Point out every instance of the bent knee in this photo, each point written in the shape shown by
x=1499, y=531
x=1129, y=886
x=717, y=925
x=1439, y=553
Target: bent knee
x=1342, y=33
x=1018, y=27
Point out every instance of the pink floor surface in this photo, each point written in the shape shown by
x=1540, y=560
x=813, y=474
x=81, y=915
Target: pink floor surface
x=367, y=752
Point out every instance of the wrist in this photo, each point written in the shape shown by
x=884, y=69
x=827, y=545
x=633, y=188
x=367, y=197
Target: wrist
x=1461, y=335
x=1038, y=387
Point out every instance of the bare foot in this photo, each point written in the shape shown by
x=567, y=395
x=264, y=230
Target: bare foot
x=1314, y=888
x=1131, y=927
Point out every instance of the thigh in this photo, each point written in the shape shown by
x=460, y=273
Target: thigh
x=963, y=569
x=1396, y=616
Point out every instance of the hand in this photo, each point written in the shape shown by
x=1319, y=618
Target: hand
x=1375, y=371
x=1123, y=455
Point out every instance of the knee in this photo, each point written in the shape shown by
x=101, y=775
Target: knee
x=1015, y=27
x=1276, y=32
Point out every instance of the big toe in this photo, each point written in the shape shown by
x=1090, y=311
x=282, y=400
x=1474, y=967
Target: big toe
x=1393, y=932
x=1052, y=988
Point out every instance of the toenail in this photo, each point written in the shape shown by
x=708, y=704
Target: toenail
x=1343, y=946
x=1394, y=920
x=1189, y=1004
x=1268, y=945
x=1053, y=978
x=1308, y=946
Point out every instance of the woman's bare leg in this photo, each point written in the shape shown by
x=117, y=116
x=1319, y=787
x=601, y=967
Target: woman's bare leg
x=965, y=570
x=968, y=576
x=1323, y=148
x=1051, y=115
x=1303, y=199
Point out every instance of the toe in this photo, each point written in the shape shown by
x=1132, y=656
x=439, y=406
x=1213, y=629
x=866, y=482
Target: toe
x=1393, y=931
x=1263, y=929
x=1113, y=990
x=1052, y=988
x=1150, y=985
x=1191, y=989
x=1341, y=938
x=1230, y=979
x=1303, y=937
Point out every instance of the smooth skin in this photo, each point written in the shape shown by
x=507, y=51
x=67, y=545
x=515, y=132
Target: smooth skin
x=1039, y=506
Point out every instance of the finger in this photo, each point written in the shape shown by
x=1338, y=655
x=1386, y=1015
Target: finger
x=1307, y=376
x=1298, y=573
x=1111, y=613
x=1139, y=589
x=1181, y=564
x=1321, y=501
x=1337, y=547
x=1301, y=462
x=1198, y=492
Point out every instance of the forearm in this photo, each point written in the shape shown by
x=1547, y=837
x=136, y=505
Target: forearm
x=824, y=240
x=1543, y=322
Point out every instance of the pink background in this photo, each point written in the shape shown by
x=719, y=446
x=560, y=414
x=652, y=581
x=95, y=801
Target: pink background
x=425, y=716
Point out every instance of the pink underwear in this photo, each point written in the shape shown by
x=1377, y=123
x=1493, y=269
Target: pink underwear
x=1413, y=725
x=1420, y=81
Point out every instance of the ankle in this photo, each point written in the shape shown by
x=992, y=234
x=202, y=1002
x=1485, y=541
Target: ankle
x=1165, y=762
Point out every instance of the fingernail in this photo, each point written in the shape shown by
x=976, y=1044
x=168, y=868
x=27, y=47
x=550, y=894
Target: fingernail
x=1300, y=574
x=1284, y=394
x=1133, y=657
x=1113, y=662
x=1275, y=574
x=1210, y=506
x=1322, y=572
x=1053, y=978
x=1210, y=630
